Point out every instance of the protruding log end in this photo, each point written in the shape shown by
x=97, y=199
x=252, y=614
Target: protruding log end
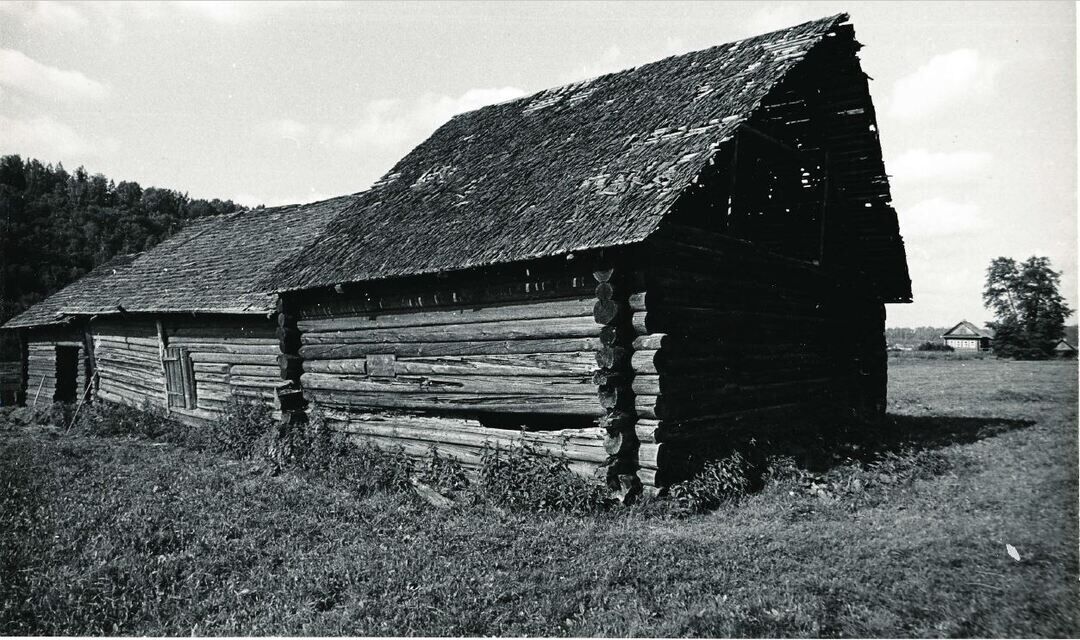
x=612, y=357
x=604, y=275
x=606, y=311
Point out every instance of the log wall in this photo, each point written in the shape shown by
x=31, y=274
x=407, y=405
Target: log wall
x=520, y=358
x=491, y=360
x=41, y=364
x=728, y=336
x=127, y=357
x=230, y=357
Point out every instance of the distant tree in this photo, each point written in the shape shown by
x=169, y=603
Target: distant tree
x=934, y=346
x=56, y=226
x=1029, y=308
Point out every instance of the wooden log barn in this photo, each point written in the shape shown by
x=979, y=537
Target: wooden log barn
x=618, y=271
x=181, y=327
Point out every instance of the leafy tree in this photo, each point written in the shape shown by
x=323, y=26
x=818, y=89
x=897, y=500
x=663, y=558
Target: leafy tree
x=1029, y=308
x=55, y=226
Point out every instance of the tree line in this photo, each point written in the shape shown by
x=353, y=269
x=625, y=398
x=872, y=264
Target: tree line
x=57, y=225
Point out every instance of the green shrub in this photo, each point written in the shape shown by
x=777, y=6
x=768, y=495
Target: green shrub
x=719, y=481
x=934, y=346
x=315, y=449
x=242, y=428
x=112, y=419
x=520, y=478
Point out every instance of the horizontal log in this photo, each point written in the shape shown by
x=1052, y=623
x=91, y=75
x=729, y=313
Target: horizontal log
x=688, y=321
x=128, y=358
x=234, y=358
x=204, y=377
x=211, y=367
x=587, y=450
x=654, y=384
x=731, y=364
x=468, y=457
x=423, y=318
x=451, y=423
x=141, y=378
x=451, y=384
x=118, y=386
x=574, y=327
x=127, y=340
x=529, y=364
x=269, y=349
x=124, y=397
x=703, y=428
x=132, y=349
x=212, y=333
x=407, y=350
x=575, y=405
x=256, y=381
x=763, y=299
x=265, y=371
x=680, y=346
x=728, y=398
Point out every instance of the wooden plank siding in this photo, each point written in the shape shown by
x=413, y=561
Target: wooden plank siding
x=216, y=358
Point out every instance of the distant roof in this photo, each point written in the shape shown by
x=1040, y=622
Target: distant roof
x=965, y=329
x=1063, y=345
x=214, y=265
x=584, y=166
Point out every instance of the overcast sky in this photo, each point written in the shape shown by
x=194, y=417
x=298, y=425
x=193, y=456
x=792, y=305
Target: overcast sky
x=294, y=102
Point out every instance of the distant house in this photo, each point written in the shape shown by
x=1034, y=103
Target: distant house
x=1064, y=350
x=967, y=337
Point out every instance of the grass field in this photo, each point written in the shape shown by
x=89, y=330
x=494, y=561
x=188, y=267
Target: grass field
x=903, y=538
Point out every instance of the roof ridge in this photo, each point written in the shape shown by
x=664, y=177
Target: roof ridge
x=837, y=18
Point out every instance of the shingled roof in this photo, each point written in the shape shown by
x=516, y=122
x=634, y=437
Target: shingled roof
x=215, y=265
x=965, y=329
x=48, y=311
x=588, y=165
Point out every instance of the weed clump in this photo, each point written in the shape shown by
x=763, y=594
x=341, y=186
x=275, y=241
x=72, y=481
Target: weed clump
x=520, y=478
x=113, y=419
x=720, y=480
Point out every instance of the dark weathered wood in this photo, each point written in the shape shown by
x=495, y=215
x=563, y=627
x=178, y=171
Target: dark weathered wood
x=492, y=347
x=612, y=357
x=268, y=359
x=577, y=364
x=608, y=311
x=577, y=405
x=477, y=291
x=475, y=384
x=576, y=307
x=546, y=328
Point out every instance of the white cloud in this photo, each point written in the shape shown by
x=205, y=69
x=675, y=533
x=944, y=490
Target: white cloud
x=393, y=123
x=251, y=200
x=45, y=137
x=19, y=71
x=774, y=17
x=610, y=60
x=921, y=165
x=217, y=11
x=55, y=16
x=958, y=75
x=938, y=217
